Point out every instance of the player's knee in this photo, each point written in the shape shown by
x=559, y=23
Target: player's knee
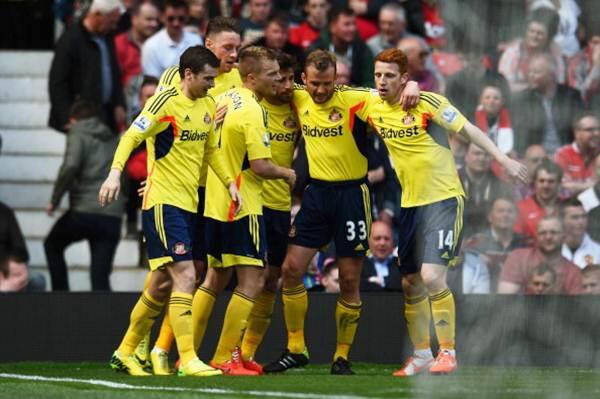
x=292, y=270
x=433, y=280
x=271, y=282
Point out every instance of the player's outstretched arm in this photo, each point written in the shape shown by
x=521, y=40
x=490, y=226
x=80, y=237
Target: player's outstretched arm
x=514, y=169
x=109, y=190
x=266, y=169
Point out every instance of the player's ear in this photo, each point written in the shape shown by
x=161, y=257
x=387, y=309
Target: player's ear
x=303, y=77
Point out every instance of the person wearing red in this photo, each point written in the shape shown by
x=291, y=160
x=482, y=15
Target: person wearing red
x=316, y=20
x=576, y=159
x=543, y=202
x=521, y=263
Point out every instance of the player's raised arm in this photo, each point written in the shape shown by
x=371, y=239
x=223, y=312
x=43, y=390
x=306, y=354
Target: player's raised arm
x=514, y=169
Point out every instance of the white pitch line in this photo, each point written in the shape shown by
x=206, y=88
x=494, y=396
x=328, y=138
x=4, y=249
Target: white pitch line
x=218, y=391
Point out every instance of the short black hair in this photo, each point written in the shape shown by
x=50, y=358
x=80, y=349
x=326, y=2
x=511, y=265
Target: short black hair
x=549, y=167
x=149, y=80
x=196, y=58
x=174, y=4
x=83, y=109
x=222, y=24
x=336, y=12
x=285, y=60
x=547, y=17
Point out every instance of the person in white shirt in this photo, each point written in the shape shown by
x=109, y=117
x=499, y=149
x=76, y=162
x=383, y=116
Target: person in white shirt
x=578, y=247
x=163, y=49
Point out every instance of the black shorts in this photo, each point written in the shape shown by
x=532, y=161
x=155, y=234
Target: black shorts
x=168, y=233
x=241, y=242
x=430, y=234
x=278, y=226
x=199, y=240
x=339, y=211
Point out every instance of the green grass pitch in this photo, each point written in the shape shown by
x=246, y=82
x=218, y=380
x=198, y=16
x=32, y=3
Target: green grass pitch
x=96, y=380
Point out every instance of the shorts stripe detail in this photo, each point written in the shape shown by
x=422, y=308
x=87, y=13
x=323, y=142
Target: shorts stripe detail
x=158, y=222
x=207, y=291
x=367, y=204
x=440, y=295
x=241, y=295
x=458, y=222
x=254, y=231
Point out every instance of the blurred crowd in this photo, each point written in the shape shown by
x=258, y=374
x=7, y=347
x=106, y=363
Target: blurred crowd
x=527, y=72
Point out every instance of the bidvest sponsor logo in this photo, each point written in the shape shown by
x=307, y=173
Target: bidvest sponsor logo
x=388, y=133
x=273, y=136
x=318, y=132
x=193, y=135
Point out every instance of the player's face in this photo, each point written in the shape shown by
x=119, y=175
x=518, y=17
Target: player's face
x=285, y=86
x=546, y=186
x=319, y=84
x=225, y=45
x=503, y=215
x=200, y=83
x=389, y=82
x=266, y=80
x=575, y=221
x=549, y=236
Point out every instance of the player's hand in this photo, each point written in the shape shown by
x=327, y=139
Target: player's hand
x=410, y=95
x=236, y=197
x=515, y=170
x=290, y=178
x=50, y=210
x=110, y=188
x=141, y=188
x=220, y=114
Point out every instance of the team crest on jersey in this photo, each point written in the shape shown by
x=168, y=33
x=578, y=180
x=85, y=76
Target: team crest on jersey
x=180, y=249
x=408, y=119
x=266, y=140
x=292, y=232
x=290, y=123
x=207, y=118
x=335, y=115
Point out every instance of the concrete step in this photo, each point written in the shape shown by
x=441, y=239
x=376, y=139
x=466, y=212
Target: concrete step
x=24, y=88
x=25, y=63
x=22, y=195
x=32, y=142
x=24, y=114
x=128, y=279
x=78, y=254
x=29, y=168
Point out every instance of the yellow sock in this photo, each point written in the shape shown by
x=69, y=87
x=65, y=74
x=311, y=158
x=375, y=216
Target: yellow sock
x=234, y=324
x=142, y=317
x=180, y=313
x=202, y=306
x=418, y=318
x=346, y=321
x=444, y=317
x=165, y=336
x=258, y=323
x=295, y=305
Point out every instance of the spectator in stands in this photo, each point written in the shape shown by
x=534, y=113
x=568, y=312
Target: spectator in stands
x=541, y=28
x=534, y=155
x=392, y=28
x=474, y=273
x=342, y=72
x=542, y=280
x=89, y=153
x=591, y=280
x=128, y=45
x=464, y=88
x=417, y=53
x=481, y=187
x=198, y=16
x=590, y=199
x=577, y=159
x=254, y=25
x=543, y=202
x=380, y=271
x=85, y=67
x=584, y=67
x=310, y=29
x=567, y=34
x=341, y=39
x=522, y=262
x=544, y=112
x=578, y=247
x=14, y=274
x=493, y=118
x=366, y=12
x=276, y=38
x=494, y=244
x=163, y=49
x=329, y=281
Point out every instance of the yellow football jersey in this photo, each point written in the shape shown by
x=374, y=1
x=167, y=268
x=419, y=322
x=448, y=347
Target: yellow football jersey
x=223, y=82
x=283, y=132
x=176, y=130
x=242, y=137
x=417, y=141
x=332, y=150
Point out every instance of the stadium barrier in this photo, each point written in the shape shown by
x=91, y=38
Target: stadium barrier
x=492, y=330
